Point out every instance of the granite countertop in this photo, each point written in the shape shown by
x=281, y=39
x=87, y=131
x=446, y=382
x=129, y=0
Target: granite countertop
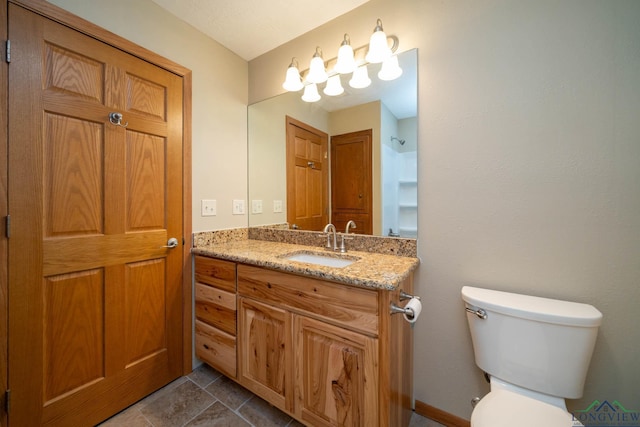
x=370, y=270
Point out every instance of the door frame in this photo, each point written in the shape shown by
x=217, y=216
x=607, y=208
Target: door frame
x=83, y=26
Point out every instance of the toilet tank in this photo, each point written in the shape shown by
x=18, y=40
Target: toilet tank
x=541, y=344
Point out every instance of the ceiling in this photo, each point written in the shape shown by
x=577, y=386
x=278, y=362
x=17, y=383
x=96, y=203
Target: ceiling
x=250, y=28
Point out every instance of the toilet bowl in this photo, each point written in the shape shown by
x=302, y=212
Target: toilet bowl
x=505, y=406
x=536, y=352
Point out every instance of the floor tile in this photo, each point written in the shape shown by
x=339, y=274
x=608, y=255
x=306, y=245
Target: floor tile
x=204, y=375
x=164, y=391
x=229, y=392
x=177, y=406
x=420, y=421
x=218, y=415
x=131, y=417
x=262, y=414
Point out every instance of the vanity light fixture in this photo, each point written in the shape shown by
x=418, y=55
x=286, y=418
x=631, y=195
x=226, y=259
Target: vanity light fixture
x=390, y=69
x=334, y=86
x=360, y=78
x=377, y=51
x=311, y=93
x=292, y=81
x=346, y=60
x=317, y=72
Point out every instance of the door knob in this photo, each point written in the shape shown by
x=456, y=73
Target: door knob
x=171, y=243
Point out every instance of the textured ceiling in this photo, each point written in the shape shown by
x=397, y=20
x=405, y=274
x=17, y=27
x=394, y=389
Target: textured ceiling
x=253, y=27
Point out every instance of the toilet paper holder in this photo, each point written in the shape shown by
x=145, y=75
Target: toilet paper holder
x=394, y=309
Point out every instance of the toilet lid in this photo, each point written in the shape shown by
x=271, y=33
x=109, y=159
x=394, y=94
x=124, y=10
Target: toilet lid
x=502, y=408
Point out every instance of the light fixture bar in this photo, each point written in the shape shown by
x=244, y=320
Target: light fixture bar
x=348, y=61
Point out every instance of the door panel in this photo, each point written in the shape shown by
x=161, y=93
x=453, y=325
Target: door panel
x=74, y=316
x=351, y=181
x=307, y=176
x=95, y=308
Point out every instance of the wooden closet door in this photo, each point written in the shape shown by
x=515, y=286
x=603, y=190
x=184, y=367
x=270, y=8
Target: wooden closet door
x=95, y=302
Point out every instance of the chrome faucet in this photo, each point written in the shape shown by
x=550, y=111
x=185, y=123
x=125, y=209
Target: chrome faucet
x=351, y=224
x=330, y=228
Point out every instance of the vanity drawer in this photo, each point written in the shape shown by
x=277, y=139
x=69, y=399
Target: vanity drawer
x=216, y=348
x=216, y=307
x=215, y=272
x=343, y=305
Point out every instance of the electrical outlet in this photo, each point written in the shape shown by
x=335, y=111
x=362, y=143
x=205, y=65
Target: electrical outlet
x=256, y=206
x=238, y=207
x=208, y=207
x=277, y=206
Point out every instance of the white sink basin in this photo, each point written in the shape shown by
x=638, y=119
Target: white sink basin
x=320, y=259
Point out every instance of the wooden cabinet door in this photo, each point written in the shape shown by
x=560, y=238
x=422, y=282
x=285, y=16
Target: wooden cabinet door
x=265, y=367
x=336, y=375
x=95, y=307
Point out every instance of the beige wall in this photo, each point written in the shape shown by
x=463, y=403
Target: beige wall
x=219, y=97
x=529, y=168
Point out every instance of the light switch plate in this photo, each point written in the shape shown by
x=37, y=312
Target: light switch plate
x=256, y=206
x=277, y=206
x=208, y=207
x=238, y=207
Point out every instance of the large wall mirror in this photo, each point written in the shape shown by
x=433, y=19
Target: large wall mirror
x=388, y=109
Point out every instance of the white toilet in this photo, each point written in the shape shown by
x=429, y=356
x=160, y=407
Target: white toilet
x=536, y=352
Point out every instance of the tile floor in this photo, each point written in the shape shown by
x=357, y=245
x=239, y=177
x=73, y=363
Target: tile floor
x=207, y=398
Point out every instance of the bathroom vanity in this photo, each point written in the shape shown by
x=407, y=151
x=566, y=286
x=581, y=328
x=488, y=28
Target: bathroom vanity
x=317, y=342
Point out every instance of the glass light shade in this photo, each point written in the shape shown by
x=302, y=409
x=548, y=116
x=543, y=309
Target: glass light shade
x=390, y=69
x=360, y=78
x=379, y=50
x=334, y=86
x=311, y=93
x=292, y=82
x=317, y=73
x=346, y=62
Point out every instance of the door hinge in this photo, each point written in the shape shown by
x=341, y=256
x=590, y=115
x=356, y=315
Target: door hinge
x=7, y=226
x=7, y=401
x=8, y=50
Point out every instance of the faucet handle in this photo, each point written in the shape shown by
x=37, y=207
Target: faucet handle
x=343, y=237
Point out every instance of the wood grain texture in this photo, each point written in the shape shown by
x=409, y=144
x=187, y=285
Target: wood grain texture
x=215, y=272
x=73, y=332
x=352, y=179
x=4, y=291
x=87, y=238
x=336, y=375
x=307, y=175
x=346, y=371
x=265, y=352
x=216, y=307
x=145, y=293
x=351, y=307
x=216, y=348
x=73, y=170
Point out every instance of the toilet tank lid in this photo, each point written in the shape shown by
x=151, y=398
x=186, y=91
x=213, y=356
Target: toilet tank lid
x=532, y=307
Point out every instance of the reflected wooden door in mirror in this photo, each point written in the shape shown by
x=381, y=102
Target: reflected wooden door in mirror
x=307, y=176
x=351, y=181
